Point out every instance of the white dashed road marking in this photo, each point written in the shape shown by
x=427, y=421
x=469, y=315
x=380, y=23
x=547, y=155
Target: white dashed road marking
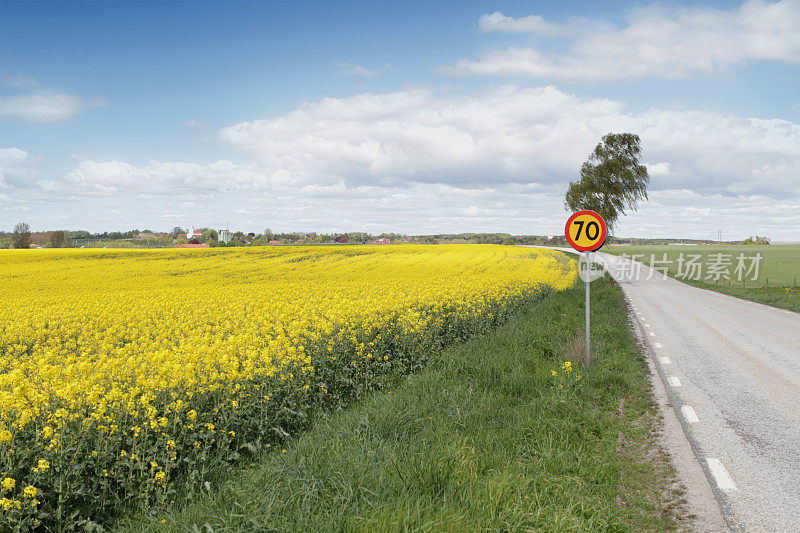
x=657, y=344
x=674, y=381
x=647, y=325
x=723, y=479
x=665, y=361
x=689, y=414
x=652, y=334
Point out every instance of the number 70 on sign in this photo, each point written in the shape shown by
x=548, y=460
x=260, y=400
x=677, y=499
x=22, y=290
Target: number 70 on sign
x=586, y=231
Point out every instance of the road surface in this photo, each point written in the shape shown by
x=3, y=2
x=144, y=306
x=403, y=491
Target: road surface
x=732, y=370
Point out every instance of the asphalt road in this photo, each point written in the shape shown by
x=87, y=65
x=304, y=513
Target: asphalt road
x=732, y=372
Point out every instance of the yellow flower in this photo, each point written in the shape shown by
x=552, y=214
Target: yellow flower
x=29, y=491
x=43, y=465
x=553, y=372
x=8, y=484
x=160, y=476
x=120, y=358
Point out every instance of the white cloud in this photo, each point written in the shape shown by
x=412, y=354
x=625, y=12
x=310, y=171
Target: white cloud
x=508, y=134
x=668, y=42
x=512, y=135
x=658, y=169
x=531, y=24
x=154, y=177
x=535, y=138
x=16, y=169
x=420, y=161
x=357, y=70
x=43, y=106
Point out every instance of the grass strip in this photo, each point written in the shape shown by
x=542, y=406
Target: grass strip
x=494, y=434
x=783, y=297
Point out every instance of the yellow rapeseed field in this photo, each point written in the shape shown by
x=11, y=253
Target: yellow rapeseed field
x=124, y=374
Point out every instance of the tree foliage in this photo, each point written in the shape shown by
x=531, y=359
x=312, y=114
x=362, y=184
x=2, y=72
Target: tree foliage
x=612, y=179
x=57, y=239
x=756, y=240
x=21, y=238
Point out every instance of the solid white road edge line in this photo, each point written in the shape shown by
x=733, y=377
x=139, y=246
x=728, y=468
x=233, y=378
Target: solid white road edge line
x=689, y=414
x=721, y=476
x=665, y=361
x=674, y=381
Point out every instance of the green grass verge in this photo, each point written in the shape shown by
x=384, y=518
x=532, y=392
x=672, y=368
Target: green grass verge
x=484, y=438
x=778, y=270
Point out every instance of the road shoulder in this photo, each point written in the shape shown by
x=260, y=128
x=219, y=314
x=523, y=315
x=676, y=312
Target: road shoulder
x=700, y=502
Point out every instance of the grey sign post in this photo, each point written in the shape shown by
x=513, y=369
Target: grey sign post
x=587, y=282
x=588, y=273
x=586, y=231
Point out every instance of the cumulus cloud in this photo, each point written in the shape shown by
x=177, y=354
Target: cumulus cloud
x=421, y=161
x=16, y=169
x=504, y=135
x=512, y=135
x=658, y=169
x=156, y=177
x=44, y=106
x=531, y=137
x=38, y=104
x=660, y=41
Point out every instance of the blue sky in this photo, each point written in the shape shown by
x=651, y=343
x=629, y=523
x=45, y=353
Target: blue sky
x=412, y=117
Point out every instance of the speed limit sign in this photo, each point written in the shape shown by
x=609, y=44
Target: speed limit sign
x=586, y=231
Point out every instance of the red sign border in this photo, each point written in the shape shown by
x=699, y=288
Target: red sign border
x=603, y=227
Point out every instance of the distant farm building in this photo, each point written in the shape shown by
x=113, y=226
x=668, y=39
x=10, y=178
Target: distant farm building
x=224, y=236
x=193, y=233
x=382, y=241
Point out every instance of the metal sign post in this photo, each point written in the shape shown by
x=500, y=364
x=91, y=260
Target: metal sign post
x=587, y=283
x=586, y=232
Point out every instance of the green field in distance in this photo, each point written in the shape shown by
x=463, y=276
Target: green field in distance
x=780, y=263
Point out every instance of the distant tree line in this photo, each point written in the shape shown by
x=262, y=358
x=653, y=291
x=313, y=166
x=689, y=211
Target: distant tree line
x=22, y=237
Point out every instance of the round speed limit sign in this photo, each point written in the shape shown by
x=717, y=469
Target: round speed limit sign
x=586, y=231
